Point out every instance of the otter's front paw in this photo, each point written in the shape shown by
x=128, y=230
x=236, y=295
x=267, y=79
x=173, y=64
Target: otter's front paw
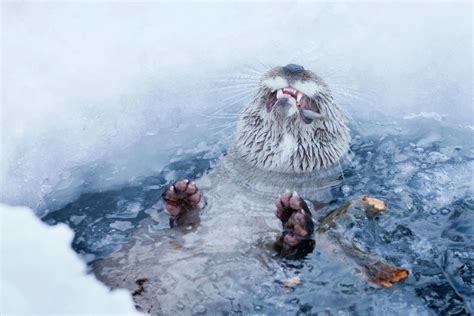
x=297, y=238
x=181, y=197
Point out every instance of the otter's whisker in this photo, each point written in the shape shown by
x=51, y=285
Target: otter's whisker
x=239, y=92
x=239, y=79
x=232, y=101
x=223, y=108
x=342, y=172
x=225, y=116
x=254, y=73
x=348, y=98
x=258, y=63
x=349, y=88
x=220, y=115
x=234, y=87
x=249, y=74
x=352, y=92
x=228, y=109
x=265, y=67
x=236, y=90
x=350, y=117
x=223, y=126
x=237, y=98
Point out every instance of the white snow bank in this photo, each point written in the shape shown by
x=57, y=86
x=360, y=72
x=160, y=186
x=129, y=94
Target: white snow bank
x=41, y=274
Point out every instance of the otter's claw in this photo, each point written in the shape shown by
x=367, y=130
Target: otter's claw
x=180, y=197
x=298, y=227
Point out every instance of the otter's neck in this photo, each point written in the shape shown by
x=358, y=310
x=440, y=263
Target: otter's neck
x=288, y=144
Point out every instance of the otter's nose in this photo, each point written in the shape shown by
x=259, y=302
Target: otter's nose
x=294, y=69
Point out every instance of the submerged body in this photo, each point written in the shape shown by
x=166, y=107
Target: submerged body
x=206, y=263
x=399, y=160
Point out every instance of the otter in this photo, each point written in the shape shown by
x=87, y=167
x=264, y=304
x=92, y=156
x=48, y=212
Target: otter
x=291, y=142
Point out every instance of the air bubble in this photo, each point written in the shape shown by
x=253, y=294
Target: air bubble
x=445, y=211
x=257, y=307
x=345, y=189
x=398, y=190
x=199, y=309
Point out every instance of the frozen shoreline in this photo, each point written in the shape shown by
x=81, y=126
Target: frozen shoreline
x=41, y=274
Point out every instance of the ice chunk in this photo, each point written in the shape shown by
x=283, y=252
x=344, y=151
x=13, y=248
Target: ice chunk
x=121, y=225
x=42, y=275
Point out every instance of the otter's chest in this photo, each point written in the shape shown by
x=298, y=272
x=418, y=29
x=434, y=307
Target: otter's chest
x=285, y=150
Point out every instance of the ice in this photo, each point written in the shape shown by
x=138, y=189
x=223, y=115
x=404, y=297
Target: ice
x=40, y=274
x=435, y=157
x=127, y=209
x=171, y=176
x=458, y=264
x=153, y=211
x=77, y=219
x=121, y=225
x=429, y=139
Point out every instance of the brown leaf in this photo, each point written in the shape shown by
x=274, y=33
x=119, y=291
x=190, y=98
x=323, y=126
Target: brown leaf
x=291, y=281
x=378, y=205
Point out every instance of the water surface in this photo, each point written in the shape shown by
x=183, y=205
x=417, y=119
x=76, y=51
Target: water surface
x=422, y=167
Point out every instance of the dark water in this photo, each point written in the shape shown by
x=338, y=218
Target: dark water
x=423, y=168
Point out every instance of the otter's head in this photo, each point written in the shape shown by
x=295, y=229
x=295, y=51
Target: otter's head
x=292, y=124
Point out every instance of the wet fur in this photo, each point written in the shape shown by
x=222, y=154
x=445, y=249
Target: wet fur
x=287, y=144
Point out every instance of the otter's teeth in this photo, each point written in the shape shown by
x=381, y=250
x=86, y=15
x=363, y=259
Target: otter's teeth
x=279, y=93
x=299, y=96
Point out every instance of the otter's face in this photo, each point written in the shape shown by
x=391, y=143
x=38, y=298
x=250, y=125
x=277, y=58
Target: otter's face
x=292, y=90
x=292, y=123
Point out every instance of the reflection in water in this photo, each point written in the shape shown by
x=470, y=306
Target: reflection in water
x=421, y=167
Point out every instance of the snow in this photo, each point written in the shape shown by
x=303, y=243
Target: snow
x=41, y=274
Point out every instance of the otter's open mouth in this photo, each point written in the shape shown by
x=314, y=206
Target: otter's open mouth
x=307, y=108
